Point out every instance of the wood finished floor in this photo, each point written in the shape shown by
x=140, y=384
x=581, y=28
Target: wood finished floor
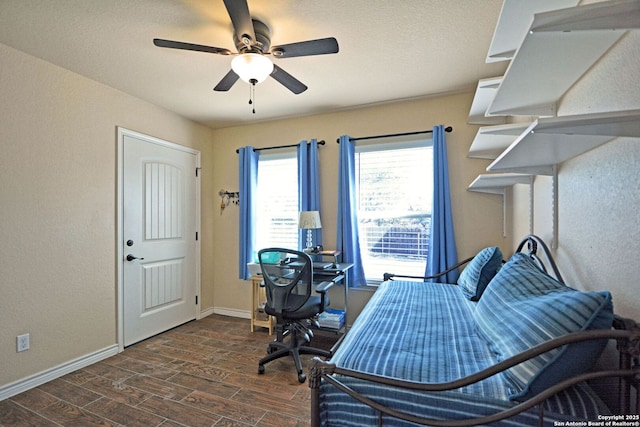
x=203, y=373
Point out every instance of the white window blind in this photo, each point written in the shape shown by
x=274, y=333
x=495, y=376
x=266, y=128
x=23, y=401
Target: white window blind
x=277, y=200
x=395, y=190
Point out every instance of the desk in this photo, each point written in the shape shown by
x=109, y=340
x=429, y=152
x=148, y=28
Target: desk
x=336, y=273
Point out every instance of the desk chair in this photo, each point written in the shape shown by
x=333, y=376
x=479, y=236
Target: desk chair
x=288, y=279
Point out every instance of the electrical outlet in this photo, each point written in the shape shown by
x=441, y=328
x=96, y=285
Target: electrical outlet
x=22, y=342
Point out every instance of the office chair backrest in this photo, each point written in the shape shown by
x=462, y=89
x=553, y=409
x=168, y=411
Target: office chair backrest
x=286, y=272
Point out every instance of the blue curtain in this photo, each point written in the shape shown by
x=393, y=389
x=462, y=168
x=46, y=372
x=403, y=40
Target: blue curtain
x=308, y=187
x=347, y=237
x=248, y=179
x=442, y=243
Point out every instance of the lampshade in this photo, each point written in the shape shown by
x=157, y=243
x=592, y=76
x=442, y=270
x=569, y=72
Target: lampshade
x=252, y=66
x=309, y=220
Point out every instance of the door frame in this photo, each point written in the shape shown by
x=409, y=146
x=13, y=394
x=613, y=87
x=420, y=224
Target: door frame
x=122, y=132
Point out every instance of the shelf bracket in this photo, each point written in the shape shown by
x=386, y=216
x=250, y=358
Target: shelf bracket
x=504, y=212
x=531, y=204
x=554, y=206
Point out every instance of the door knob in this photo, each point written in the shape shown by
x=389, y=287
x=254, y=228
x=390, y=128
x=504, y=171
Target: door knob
x=131, y=257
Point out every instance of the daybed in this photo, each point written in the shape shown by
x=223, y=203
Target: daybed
x=507, y=345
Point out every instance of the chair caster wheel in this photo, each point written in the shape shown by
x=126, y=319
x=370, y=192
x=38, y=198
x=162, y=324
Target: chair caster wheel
x=302, y=378
x=260, y=369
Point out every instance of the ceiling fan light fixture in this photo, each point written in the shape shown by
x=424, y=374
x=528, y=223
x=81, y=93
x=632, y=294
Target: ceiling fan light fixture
x=252, y=66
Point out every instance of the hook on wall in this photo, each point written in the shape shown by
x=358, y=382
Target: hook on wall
x=228, y=197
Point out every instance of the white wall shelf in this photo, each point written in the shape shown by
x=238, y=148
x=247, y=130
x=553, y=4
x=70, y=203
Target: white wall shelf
x=560, y=46
x=490, y=141
x=485, y=92
x=515, y=19
x=550, y=141
x=496, y=183
x=551, y=44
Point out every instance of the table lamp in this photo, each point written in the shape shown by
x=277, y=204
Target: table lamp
x=309, y=220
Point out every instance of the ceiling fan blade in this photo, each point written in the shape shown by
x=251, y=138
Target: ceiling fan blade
x=306, y=48
x=287, y=80
x=241, y=19
x=190, y=46
x=227, y=81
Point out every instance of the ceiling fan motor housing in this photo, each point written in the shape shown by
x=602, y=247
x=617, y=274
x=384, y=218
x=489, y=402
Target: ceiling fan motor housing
x=262, y=42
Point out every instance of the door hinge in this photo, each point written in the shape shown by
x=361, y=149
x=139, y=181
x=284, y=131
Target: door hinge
x=196, y=299
x=196, y=236
x=197, y=171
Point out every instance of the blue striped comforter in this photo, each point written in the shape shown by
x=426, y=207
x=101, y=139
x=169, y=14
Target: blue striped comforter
x=426, y=333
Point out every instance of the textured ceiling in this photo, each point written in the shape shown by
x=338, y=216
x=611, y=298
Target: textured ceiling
x=389, y=50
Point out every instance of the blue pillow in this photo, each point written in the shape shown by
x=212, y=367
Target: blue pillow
x=523, y=307
x=478, y=273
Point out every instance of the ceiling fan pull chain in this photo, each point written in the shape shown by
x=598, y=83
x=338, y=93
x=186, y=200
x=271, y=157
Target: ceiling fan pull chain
x=252, y=94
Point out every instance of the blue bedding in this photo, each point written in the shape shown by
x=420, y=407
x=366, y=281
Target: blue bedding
x=437, y=342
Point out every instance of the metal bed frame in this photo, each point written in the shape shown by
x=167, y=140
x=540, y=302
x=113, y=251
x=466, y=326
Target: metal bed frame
x=626, y=333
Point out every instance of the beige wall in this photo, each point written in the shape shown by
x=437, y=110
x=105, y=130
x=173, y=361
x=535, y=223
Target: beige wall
x=58, y=209
x=478, y=217
x=599, y=191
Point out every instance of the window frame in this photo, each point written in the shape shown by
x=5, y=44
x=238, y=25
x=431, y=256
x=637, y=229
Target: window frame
x=286, y=153
x=378, y=145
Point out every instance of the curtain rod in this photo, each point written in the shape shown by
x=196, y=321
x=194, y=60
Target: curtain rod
x=448, y=129
x=279, y=146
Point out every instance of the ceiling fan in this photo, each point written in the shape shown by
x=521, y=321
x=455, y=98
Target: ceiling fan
x=253, y=42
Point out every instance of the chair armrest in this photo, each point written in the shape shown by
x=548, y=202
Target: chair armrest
x=324, y=287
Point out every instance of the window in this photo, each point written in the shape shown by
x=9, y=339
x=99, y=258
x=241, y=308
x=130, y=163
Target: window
x=395, y=191
x=277, y=200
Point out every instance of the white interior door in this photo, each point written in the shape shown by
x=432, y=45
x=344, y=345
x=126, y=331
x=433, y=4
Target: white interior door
x=159, y=226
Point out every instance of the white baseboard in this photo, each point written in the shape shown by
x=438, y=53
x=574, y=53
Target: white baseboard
x=40, y=378
x=206, y=312
x=232, y=312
